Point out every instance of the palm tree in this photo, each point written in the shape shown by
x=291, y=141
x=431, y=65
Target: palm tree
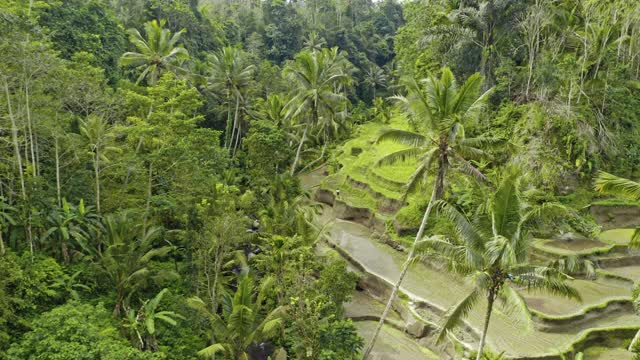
x=438, y=108
x=231, y=76
x=375, y=77
x=317, y=80
x=157, y=53
x=493, y=250
x=244, y=321
x=142, y=323
x=613, y=185
x=126, y=255
x=99, y=136
x=314, y=42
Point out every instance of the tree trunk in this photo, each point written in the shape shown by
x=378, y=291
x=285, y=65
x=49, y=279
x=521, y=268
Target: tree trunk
x=634, y=342
x=129, y=168
x=235, y=124
x=238, y=138
x=2, y=250
x=295, y=161
x=442, y=172
x=16, y=145
x=227, y=135
x=30, y=130
x=148, y=206
x=96, y=170
x=403, y=273
x=490, y=299
x=58, y=186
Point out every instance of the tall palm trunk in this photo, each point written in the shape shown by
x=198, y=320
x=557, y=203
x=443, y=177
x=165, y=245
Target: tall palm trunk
x=58, y=185
x=16, y=146
x=96, y=170
x=436, y=193
x=634, y=342
x=490, y=300
x=235, y=123
x=147, y=209
x=227, y=135
x=295, y=161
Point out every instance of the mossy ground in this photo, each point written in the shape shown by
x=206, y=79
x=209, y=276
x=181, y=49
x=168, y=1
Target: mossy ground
x=358, y=159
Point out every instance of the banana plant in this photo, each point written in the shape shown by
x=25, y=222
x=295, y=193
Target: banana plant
x=142, y=323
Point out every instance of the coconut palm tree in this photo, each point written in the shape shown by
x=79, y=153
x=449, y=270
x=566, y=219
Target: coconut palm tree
x=230, y=77
x=99, y=137
x=438, y=108
x=317, y=78
x=158, y=52
x=493, y=249
x=613, y=185
x=314, y=42
x=244, y=322
x=374, y=78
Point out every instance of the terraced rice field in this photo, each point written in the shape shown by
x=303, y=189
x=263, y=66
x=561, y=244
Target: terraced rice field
x=394, y=344
x=605, y=304
x=517, y=338
x=631, y=272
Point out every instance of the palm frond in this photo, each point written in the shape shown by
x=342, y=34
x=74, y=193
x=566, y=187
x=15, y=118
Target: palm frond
x=514, y=304
x=548, y=281
x=505, y=206
x=459, y=311
x=402, y=156
x=210, y=351
x=463, y=227
x=467, y=168
x=402, y=137
x=467, y=94
x=613, y=185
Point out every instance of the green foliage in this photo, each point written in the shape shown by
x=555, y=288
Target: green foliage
x=244, y=322
x=268, y=151
x=76, y=331
x=86, y=26
x=27, y=287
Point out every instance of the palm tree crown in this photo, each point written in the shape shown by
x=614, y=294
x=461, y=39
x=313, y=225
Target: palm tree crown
x=318, y=76
x=438, y=109
x=156, y=53
x=492, y=249
x=230, y=77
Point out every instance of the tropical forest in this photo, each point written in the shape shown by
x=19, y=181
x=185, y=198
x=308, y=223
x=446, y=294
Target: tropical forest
x=319, y=179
